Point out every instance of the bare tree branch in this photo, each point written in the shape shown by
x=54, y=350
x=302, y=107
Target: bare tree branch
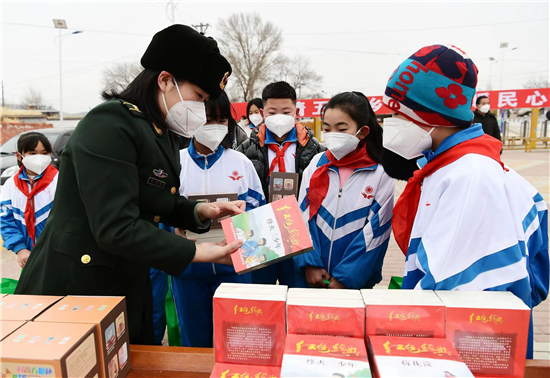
x=33, y=99
x=117, y=77
x=298, y=73
x=537, y=82
x=251, y=47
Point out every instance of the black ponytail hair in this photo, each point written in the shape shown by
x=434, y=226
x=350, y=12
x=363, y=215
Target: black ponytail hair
x=357, y=106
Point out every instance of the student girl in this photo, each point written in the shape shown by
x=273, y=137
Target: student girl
x=347, y=200
x=210, y=166
x=28, y=196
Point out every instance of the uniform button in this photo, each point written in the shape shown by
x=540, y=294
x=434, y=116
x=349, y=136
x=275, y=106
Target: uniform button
x=85, y=259
x=174, y=190
x=156, y=218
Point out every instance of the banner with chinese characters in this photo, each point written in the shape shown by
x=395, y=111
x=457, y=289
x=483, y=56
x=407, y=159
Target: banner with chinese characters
x=506, y=99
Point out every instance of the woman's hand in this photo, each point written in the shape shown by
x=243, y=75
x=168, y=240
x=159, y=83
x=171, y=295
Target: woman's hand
x=22, y=257
x=217, y=210
x=219, y=253
x=335, y=284
x=315, y=276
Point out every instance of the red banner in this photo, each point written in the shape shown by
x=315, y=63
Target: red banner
x=508, y=99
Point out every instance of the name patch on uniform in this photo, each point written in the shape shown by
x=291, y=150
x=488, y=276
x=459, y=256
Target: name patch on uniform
x=156, y=183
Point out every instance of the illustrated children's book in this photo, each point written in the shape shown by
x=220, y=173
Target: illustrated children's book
x=270, y=233
x=325, y=357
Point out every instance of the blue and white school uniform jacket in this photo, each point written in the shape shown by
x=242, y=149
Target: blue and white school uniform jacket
x=12, y=217
x=352, y=228
x=479, y=227
x=224, y=171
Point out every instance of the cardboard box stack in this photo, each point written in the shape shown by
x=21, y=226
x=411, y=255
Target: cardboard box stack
x=406, y=313
x=325, y=312
x=108, y=316
x=51, y=350
x=324, y=356
x=25, y=307
x=249, y=324
x=489, y=330
x=414, y=357
x=8, y=327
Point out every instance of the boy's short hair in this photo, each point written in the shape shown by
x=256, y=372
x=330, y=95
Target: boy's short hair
x=264, y=241
x=279, y=89
x=251, y=232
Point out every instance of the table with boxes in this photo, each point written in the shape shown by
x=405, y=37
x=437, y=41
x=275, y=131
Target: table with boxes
x=73, y=336
x=270, y=331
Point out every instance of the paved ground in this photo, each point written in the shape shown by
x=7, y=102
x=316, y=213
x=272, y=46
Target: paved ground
x=535, y=167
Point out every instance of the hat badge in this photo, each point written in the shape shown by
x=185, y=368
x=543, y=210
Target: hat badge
x=223, y=83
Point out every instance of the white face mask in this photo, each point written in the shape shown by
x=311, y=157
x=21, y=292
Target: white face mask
x=211, y=135
x=405, y=138
x=280, y=124
x=185, y=117
x=485, y=108
x=341, y=144
x=36, y=163
x=256, y=119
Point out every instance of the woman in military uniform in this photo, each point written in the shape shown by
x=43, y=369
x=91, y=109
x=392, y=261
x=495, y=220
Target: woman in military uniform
x=120, y=178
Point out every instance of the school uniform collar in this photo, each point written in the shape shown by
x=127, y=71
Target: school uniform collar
x=200, y=159
x=324, y=160
x=471, y=132
x=291, y=137
x=23, y=175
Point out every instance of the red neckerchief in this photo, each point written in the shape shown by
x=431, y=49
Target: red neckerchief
x=279, y=157
x=406, y=207
x=318, y=186
x=36, y=187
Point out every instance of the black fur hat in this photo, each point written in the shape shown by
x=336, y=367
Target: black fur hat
x=188, y=55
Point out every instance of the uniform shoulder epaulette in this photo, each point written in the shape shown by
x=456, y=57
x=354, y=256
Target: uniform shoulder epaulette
x=132, y=108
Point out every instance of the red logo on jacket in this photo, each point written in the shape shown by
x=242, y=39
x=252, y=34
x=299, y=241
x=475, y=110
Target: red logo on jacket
x=368, y=194
x=235, y=176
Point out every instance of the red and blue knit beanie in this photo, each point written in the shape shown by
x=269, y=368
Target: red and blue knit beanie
x=434, y=87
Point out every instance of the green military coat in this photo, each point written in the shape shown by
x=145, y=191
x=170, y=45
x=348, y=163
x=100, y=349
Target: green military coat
x=119, y=178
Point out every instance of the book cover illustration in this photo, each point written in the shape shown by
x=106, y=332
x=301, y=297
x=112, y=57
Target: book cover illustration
x=325, y=357
x=270, y=233
x=282, y=185
x=415, y=357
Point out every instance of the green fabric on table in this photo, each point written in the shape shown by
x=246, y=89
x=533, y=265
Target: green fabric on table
x=395, y=282
x=172, y=325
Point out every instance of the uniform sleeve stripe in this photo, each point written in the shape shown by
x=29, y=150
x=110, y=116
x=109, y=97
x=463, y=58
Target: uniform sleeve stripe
x=352, y=216
x=530, y=217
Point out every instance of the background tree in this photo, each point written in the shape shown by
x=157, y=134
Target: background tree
x=251, y=47
x=537, y=82
x=117, y=77
x=33, y=99
x=298, y=73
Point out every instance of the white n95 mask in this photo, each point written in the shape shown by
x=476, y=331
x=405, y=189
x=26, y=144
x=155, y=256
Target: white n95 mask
x=341, y=144
x=211, y=135
x=405, y=138
x=256, y=119
x=485, y=108
x=280, y=124
x=36, y=163
x=185, y=117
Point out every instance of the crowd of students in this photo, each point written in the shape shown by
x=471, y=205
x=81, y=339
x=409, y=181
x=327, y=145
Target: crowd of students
x=464, y=222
